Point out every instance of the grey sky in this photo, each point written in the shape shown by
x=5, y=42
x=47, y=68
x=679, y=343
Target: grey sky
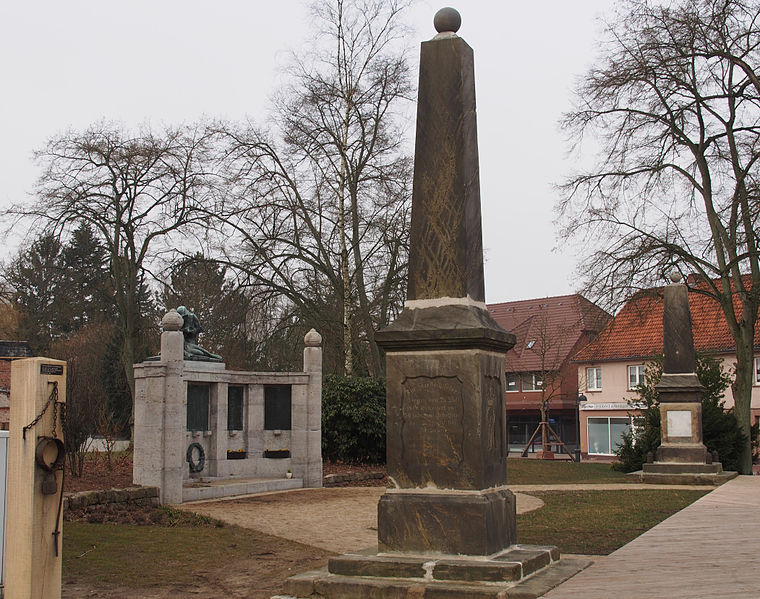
x=68, y=64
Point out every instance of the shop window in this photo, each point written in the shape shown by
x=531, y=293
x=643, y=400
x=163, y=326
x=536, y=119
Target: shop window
x=605, y=434
x=197, y=406
x=277, y=407
x=594, y=379
x=635, y=376
x=235, y=408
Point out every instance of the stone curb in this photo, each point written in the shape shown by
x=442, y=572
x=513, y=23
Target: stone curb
x=330, y=480
x=136, y=495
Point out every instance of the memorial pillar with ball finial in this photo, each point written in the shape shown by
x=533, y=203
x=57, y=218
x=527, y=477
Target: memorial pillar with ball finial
x=682, y=456
x=445, y=355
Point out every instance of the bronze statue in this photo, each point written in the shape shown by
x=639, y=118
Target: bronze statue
x=191, y=328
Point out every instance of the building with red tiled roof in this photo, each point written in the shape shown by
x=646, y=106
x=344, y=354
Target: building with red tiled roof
x=549, y=331
x=612, y=366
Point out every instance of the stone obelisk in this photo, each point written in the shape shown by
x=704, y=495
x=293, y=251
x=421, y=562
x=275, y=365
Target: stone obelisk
x=446, y=429
x=447, y=527
x=682, y=456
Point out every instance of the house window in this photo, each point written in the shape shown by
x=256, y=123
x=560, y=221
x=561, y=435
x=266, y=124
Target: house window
x=235, y=408
x=512, y=382
x=757, y=371
x=594, y=379
x=635, y=376
x=605, y=434
x=531, y=382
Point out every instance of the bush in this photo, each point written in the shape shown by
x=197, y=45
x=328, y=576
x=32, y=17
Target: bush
x=353, y=419
x=720, y=431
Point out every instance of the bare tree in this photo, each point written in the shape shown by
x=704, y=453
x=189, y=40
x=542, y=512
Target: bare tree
x=141, y=193
x=674, y=106
x=323, y=216
x=548, y=343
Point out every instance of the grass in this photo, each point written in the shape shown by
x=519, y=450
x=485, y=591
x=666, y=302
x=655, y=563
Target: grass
x=181, y=557
x=598, y=522
x=555, y=472
x=193, y=551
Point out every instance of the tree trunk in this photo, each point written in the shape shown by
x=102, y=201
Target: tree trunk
x=742, y=390
x=544, y=433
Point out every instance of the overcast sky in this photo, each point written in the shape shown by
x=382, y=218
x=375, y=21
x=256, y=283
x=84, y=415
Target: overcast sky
x=69, y=63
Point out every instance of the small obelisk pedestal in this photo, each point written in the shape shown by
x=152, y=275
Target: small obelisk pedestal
x=682, y=456
x=446, y=528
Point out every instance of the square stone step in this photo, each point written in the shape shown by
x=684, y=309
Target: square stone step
x=324, y=585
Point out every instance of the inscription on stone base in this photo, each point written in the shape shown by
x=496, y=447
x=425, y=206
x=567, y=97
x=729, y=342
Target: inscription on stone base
x=433, y=420
x=679, y=423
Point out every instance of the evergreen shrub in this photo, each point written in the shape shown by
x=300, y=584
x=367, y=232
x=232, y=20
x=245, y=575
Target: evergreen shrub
x=353, y=419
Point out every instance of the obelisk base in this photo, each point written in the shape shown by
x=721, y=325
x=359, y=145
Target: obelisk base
x=682, y=458
x=454, y=522
x=524, y=571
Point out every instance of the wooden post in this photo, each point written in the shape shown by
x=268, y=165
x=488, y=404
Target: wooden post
x=33, y=563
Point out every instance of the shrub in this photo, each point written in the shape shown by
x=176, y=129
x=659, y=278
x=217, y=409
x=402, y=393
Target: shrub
x=353, y=419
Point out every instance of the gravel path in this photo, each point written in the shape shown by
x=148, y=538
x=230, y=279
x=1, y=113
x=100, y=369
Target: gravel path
x=337, y=519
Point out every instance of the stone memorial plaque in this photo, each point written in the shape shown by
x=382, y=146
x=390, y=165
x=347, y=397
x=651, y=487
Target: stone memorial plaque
x=277, y=407
x=679, y=423
x=197, y=406
x=433, y=431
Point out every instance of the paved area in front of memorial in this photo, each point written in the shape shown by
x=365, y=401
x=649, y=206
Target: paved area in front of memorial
x=706, y=551
x=343, y=519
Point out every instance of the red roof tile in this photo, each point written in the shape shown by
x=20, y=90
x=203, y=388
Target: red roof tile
x=555, y=325
x=636, y=331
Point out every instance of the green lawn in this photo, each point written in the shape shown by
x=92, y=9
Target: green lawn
x=598, y=522
x=553, y=472
x=225, y=562
x=204, y=560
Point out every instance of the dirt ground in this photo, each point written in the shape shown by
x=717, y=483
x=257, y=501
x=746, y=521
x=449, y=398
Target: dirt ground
x=337, y=519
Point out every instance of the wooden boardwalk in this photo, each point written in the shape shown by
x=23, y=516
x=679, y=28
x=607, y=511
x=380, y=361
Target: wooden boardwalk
x=709, y=550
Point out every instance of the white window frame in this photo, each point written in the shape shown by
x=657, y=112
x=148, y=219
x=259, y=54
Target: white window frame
x=535, y=381
x=756, y=378
x=639, y=369
x=517, y=382
x=609, y=432
x=594, y=383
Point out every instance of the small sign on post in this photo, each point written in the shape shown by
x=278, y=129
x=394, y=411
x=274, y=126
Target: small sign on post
x=35, y=482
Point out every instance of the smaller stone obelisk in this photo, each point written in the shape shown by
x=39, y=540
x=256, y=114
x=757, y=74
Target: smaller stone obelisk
x=682, y=456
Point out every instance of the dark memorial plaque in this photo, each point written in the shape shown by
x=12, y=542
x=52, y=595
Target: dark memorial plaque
x=235, y=408
x=277, y=407
x=433, y=432
x=197, y=406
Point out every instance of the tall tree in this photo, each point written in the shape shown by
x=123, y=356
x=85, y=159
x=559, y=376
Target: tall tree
x=325, y=195
x=35, y=280
x=673, y=108
x=139, y=192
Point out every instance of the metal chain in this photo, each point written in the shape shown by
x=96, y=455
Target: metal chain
x=53, y=398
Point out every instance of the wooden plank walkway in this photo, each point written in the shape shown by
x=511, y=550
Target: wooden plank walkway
x=708, y=550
